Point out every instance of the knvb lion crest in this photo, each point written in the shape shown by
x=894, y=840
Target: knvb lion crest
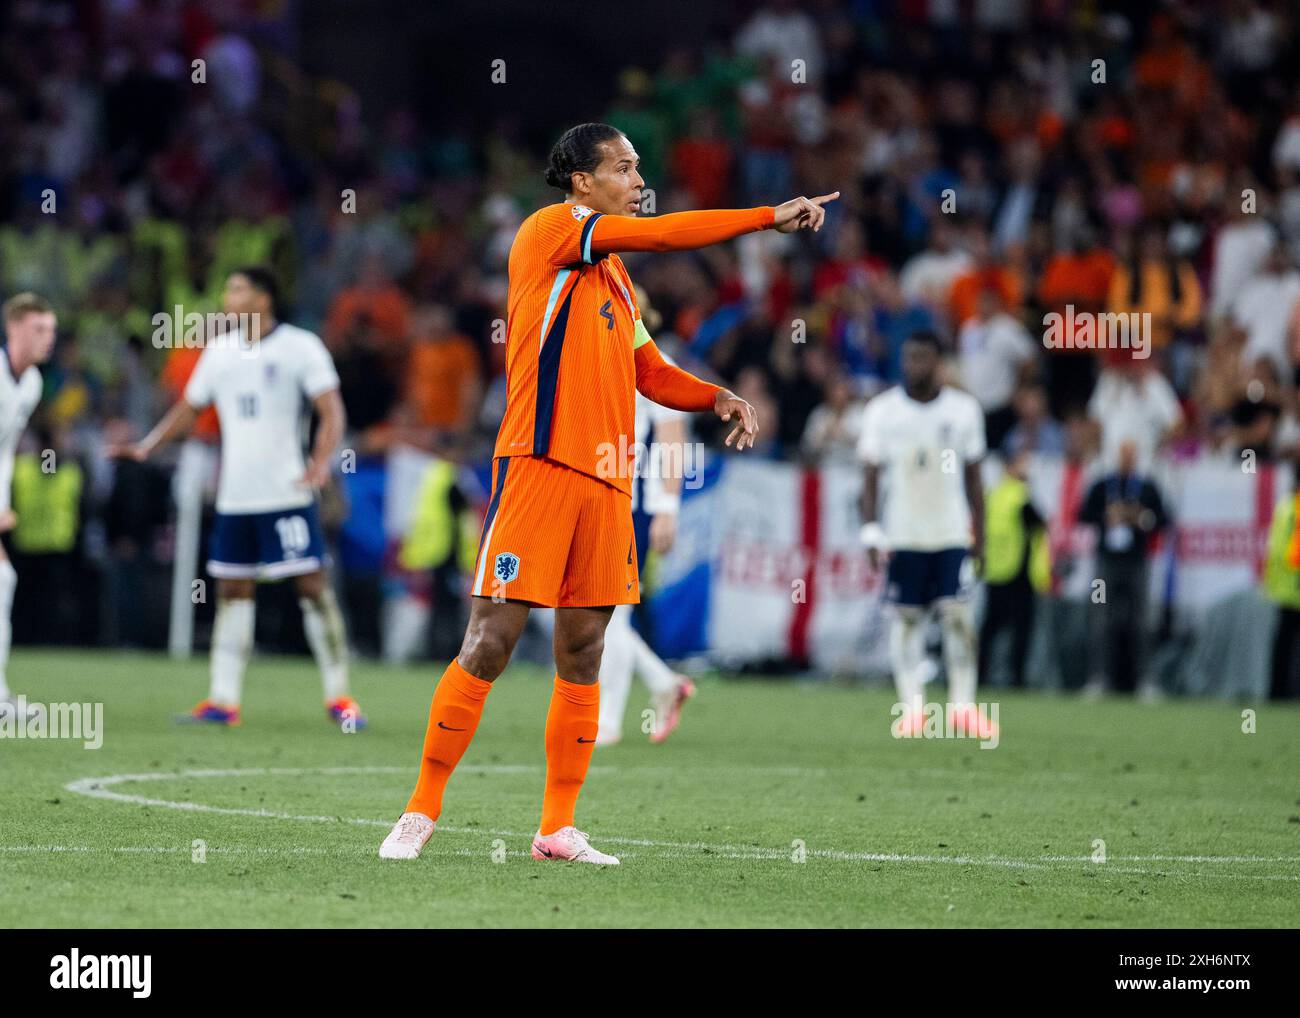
x=506, y=567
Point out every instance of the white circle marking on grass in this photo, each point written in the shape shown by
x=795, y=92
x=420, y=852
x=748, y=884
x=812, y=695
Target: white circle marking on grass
x=101, y=788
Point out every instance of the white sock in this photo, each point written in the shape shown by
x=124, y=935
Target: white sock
x=906, y=653
x=958, y=624
x=616, y=671
x=232, y=644
x=328, y=638
x=8, y=584
x=657, y=676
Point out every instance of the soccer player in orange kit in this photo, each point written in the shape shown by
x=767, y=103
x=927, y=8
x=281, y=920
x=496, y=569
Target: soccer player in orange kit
x=558, y=531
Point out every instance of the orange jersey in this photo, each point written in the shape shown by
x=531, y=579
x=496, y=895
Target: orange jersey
x=571, y=373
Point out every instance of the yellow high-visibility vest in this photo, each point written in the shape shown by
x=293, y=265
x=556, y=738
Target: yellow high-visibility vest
x=1281, y=575
x=436, y=532
x=48, y=505
x=1004, y=537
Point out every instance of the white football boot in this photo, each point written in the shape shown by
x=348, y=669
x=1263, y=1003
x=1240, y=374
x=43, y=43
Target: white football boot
x=407, y=837
x=570, y=844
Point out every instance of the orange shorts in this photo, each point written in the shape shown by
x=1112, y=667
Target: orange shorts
x=556, y=537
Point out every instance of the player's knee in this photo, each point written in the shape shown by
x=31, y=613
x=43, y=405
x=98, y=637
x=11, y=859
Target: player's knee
x=578, y=653
x=312, y=585
x=234, y=590
x=957, y=618
x=485, y=651
x=907, y=616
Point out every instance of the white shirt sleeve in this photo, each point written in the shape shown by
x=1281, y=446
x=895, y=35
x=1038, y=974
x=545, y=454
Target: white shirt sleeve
x=1164, y=400
x=870, y=446
x=1241, y=305
x=1101, y=397
x=316, y=373
x=1021, y=343
x=199, y=389
x=975, y=446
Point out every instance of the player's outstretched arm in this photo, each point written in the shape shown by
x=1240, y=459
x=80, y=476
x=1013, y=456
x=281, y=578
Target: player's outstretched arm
x=670, y=386
x=684, y=231
x=176, y=422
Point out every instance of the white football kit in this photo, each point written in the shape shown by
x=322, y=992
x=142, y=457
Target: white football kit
x=267, y=526
x=923, y=449
x=261, y=392
x=18, y=398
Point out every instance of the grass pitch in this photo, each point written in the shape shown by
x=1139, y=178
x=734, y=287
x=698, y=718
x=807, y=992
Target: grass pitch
x=1200, y=821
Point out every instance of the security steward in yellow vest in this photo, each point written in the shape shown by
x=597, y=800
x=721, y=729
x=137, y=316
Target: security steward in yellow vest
x=1282, y=586
x=1015, y=567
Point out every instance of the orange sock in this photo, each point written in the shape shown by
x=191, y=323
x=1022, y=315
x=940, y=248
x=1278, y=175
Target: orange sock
x=570, y=738
x=453, y=717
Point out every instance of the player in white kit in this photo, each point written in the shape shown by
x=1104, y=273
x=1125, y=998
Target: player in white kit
x=267, y=526
x=29, y=324
x=928, y=439
x=656, y=498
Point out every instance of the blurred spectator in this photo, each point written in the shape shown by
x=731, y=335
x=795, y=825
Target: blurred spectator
x=375, y=300
x=1152, y=281
x=442, y=374
x=1075, y=280
x=1125, y=508
x=1023, y=199
x=1135, y=408
x=702, y=161
x=1034, y=430
x=986, y=274
x=831, y=435
x=367, y=383
x=1256, y=414
x=928, y=276
x=849, y=263
x=995, y=352
x=895, y=318
x=1241, y=248
x=782, y=33
x=1264, y=307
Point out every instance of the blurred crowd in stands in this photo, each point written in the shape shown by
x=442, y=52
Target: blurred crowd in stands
x=998, y=161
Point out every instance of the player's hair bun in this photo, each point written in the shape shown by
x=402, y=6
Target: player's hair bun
x=556, y=176
x=577, y=151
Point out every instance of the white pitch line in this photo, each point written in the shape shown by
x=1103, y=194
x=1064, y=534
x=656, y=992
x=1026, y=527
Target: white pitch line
x=446, y=850
x=216, y=850
x=100, y=788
